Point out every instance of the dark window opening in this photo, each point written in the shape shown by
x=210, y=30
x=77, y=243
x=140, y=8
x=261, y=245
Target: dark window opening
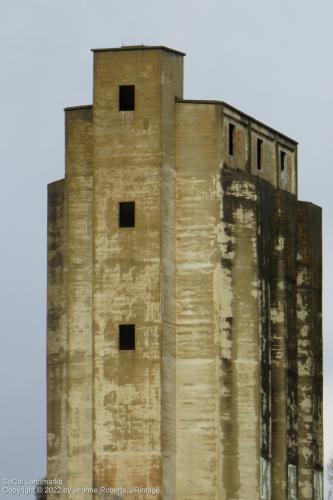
x=127, y=214
x=282, y=160
x=126, y=337
x=126, y=97
x=259, y=153
x=231, y=138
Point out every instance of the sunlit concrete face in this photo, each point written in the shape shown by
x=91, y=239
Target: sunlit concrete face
x=218, y=278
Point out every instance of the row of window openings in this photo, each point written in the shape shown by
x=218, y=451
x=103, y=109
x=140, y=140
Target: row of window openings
x=260, y=147
x=127, y=103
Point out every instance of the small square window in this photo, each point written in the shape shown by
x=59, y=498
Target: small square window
x=126, y=337
x=232, y=131
x=126, y=97
x=282, y=160
x=127, y=214
x=259, y=153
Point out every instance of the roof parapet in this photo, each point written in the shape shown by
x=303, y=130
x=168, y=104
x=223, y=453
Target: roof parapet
x=140, y=47
x=245, y=115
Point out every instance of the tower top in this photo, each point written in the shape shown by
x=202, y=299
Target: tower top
x=140, y=47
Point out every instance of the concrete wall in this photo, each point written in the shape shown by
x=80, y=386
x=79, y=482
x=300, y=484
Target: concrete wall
x=126, y=271
x=240, y=159
x=240, y=341
x=57, y=445
x=247, y=132
x=69, y=301
x=198, y=318
x=133, y=161
x=172, y=85
x=283, y=347
x=79, y=156
x=309, y=346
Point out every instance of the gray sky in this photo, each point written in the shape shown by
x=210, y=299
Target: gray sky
x=272, y=60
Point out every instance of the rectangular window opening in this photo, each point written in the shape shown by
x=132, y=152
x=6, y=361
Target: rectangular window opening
x=231, y=139
x=292, y=482
x=259, y=153
x=126, y=337
x=265, y=479
x=282, y=160
x=318, y=485
x=126, y=98
x=126, y=214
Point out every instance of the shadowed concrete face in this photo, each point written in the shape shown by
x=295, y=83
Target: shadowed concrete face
x=213, y=401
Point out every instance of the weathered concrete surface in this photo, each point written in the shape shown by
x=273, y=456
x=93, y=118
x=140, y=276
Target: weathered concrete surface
x=215, y=400
x=198, y=318
x=309, y=346
x=57, y=446
x=131, y=149
x=79, y=156
x=172, y=79
x=126, y=274
x=283, y=349
x=240, y=159
x=245, y=343
x=240, y=374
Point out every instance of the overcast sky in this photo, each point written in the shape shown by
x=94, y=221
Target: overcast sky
x=272, y=60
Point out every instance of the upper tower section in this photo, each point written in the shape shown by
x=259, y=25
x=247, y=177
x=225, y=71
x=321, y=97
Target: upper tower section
x=252, y=146
x=134, y=93
x=134, y=110
x=245, y=144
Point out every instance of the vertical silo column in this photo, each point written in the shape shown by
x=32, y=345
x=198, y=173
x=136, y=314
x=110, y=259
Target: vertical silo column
x=283, y=346
x=79, y=296
x=56, y=336
x=309, y=349
x=240, y=342
x=133, y=274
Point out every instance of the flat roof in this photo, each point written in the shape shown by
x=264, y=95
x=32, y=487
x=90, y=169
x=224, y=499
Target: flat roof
x=84, y=106
x=140, y=47
x=245, y=115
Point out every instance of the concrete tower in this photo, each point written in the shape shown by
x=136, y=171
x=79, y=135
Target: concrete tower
x=184, y=297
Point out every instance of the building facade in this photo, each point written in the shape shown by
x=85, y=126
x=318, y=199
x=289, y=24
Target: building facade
x=184, y=297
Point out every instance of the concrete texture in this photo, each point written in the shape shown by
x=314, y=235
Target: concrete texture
x=221, y=275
